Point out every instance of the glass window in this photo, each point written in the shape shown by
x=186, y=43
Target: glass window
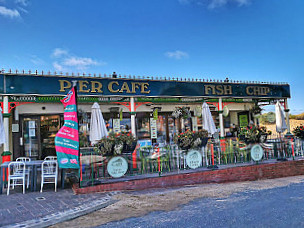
x=143, y=125
x=161, y=129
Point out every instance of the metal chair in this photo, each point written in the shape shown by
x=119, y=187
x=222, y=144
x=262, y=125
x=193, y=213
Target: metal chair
x=27, y=171
x=49, y=171
x=16, y=171
x=53, y=158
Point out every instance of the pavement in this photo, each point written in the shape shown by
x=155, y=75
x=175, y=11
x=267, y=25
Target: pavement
x=275, y=207
x=35, y=209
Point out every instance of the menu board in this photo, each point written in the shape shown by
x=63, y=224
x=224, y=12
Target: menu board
x=116, y=125
x=153, y=128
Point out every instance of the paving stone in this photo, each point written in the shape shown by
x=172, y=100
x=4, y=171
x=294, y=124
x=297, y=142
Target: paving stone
x=24, y=210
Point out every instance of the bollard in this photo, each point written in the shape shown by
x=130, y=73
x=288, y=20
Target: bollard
x=6, y=157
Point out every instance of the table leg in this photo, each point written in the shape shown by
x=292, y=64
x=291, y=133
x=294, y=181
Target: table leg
x=62, y=178
x=35, y=178
x=32, y=178
x=1, y=180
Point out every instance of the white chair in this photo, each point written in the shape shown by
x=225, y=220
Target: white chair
x=27, y=171
x=49, y=171
x=16, y=171
x=52, y=158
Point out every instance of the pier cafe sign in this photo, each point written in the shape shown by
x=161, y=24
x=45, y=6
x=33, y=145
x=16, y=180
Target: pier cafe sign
x=59, y=85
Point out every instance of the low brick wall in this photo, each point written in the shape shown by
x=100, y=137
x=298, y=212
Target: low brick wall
x=241, y=173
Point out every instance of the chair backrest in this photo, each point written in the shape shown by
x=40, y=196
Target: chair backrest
x=50, y=158
x=49, y=167
x=23, y=159
x=16, y=167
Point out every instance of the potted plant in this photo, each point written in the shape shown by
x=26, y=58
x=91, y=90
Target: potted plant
x=116, y=144
x=127, y=140
x=253, y=134
x=191, y=139
x=298, y=131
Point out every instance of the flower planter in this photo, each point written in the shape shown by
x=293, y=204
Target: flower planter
x=204, y=141
x=126, y=149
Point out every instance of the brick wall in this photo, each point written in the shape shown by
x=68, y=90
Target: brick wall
x=242, y=173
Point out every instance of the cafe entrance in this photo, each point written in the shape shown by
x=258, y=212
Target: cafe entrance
x=38, y=135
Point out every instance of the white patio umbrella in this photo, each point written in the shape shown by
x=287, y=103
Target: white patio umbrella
x=280, y=118
x=2, y=132
x=208, y=123
x=280, y=125
x=98, y=128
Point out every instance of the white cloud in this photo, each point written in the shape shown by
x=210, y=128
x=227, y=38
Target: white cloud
x=212, y=4
x=12, y=13
x=65, y=61
x=58, y=52
x=22, y=2
x=58, y=66
x=79, y=62
x=177, y=54
x=220, y=3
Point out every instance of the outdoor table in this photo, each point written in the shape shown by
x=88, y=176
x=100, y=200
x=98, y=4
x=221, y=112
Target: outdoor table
x=34, y=164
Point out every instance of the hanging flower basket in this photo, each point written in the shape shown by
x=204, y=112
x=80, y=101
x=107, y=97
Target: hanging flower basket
x=181, y=112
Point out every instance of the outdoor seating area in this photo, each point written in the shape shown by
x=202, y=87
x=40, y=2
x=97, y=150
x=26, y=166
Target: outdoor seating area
x=28, y=173
x=163, y=160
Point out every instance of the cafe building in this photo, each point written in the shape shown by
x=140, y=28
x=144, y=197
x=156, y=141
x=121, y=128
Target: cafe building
x=33, y=112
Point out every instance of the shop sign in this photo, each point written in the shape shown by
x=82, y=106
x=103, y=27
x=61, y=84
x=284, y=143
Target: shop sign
x=155, y=114
x=116, y=125
x=153, y=127
x=194, y=159
x=198, y=111
x=194, y=123
x=117, y=167
x=32, y=132
x=225, y=111
x=15, y=128
x=256, y=152
x=60, y=85
x=243, y=120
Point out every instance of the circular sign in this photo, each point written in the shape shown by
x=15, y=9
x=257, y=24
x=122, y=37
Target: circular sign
x=194, y=159
x=225, y=111
x=256, y=152
x=117, y=167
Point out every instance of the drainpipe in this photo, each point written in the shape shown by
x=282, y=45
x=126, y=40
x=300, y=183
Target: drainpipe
x=286, y=110
x=133, y=126
x=6, y=115
x=220, y=110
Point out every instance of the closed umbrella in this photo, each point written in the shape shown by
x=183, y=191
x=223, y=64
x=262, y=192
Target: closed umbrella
x=208, y=125
x=98, y=128
x=280, y=118
x=280, y=125
x=2, y=132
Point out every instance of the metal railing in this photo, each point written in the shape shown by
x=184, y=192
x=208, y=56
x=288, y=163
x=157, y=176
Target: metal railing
x=153, y=161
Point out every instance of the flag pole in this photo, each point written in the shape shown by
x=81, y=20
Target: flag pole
x=76, y=96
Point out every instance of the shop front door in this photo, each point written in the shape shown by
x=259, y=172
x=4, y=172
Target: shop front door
x=49, y=126
x=38, y=135
x=31, y=137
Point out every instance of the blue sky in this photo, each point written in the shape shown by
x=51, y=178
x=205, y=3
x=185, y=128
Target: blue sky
x=256, y=40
